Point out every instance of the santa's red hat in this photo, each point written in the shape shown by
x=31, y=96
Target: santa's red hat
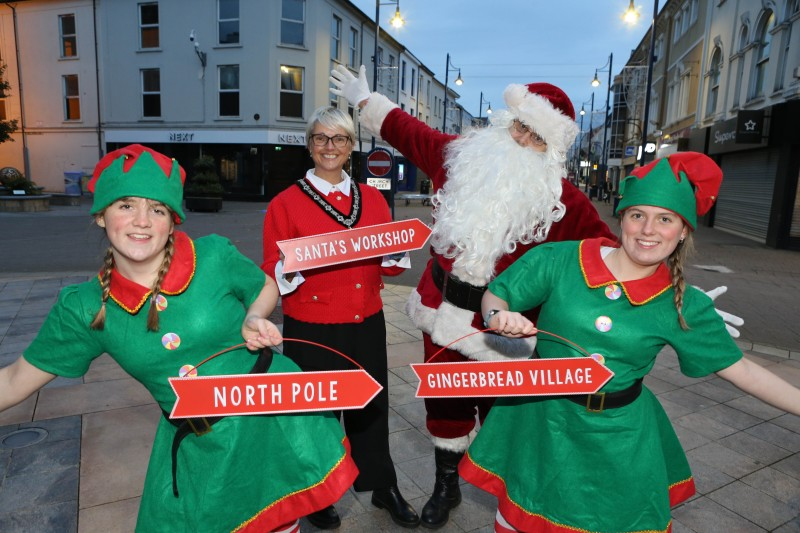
x=547, y=110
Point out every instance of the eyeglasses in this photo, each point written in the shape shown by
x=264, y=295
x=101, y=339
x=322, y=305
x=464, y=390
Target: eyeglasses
x=523, y=130
x=320, y=139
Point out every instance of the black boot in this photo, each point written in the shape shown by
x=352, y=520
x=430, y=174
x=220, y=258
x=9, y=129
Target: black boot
x=400, y=510
x=446, y=493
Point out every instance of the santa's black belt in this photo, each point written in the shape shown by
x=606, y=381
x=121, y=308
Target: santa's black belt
x=457, y=292
x=202, y=425
x=600, y=401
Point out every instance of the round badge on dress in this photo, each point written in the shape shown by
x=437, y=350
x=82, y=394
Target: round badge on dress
x=161, y=302
x=613, y=291
x=603, y=323
x=599, y=358
x=171, y=341
x=187, y=370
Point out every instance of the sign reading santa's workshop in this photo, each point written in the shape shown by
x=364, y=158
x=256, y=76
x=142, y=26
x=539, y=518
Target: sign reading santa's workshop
x=258, y=394
x=529, y=377
x=348, y=245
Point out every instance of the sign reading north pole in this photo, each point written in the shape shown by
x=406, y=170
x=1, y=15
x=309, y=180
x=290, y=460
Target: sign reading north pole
x=348, y=245
x=529, y=377
x=256, y=394
x=379, y=162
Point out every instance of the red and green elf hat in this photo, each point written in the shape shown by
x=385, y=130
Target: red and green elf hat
x=685, y=182
x=136, y=170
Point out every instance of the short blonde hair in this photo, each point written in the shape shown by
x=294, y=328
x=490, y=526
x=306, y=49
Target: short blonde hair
x=332, y=118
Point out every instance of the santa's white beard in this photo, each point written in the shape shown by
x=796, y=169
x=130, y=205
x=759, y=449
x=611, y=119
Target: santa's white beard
x=497, y=194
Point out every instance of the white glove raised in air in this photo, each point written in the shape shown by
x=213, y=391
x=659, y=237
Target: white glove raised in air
x=356, y=90
x=729, y=319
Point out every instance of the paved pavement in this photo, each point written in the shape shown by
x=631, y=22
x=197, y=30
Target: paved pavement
x=73, y=456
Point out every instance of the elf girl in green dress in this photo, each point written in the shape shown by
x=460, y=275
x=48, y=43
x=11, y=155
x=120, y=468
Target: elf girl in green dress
x=162, y=303
x=610, y=462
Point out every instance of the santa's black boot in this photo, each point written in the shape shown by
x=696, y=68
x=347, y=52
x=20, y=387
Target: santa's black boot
x=446, y=492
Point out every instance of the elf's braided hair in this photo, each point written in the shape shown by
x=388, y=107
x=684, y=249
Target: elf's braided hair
x=676, y=262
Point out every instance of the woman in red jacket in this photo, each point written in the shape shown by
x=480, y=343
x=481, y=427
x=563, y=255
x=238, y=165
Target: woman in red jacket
x=339, y=306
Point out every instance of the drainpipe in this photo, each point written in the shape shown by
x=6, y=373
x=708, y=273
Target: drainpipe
x=97, y=83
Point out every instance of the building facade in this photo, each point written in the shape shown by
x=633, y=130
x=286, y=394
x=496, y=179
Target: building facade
x=725, y=82
x=234, y=79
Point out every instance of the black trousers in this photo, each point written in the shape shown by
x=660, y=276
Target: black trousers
x=367, y=429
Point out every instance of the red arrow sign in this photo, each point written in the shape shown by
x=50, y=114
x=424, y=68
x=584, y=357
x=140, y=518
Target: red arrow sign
x=349, y=245
x=530, y=377
x=256, y=394
x=379, y=162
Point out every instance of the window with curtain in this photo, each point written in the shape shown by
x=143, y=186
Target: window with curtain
x=66, y=28
x=72, y=101
x=291, y=98
x=293, y=22
x=228, y=21
x=148, y=26
x=229, y=90
x=151, y=92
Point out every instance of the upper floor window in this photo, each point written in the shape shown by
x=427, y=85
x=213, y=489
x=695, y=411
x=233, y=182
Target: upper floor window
x=66, y=28
x=148, y=26
x=352, y=58
x=293, y=22
x=713, y=82
x=763, y=45
x=403, y=75
x=3, y=115
x=336, y=37
x=151, y=92
x=658, y=49
x=413, y=82
x=291, y=99
x=228, y=21
x=72, y=99
x=229, y=90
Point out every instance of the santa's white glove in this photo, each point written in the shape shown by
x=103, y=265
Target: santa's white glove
x=356, y=90
x=729, y=319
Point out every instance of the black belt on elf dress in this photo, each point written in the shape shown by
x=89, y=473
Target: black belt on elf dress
x=600, y=401
x=457, y=292
x=202, y=425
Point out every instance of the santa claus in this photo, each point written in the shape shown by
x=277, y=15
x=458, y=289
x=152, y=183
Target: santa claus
x=499, y=191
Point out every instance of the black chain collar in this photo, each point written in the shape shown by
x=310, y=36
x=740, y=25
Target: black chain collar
x=355, y=208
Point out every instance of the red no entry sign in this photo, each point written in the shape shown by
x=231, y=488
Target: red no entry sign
x=529, y=377
x=379, y=162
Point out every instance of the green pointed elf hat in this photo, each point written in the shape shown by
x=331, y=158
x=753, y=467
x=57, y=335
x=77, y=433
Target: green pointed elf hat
x=136, y=170
x=685, y=182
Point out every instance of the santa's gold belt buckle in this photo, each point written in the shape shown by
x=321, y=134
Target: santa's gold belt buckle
x=205, y=427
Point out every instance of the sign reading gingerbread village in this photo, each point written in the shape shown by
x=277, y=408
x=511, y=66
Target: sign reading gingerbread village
x=529, y=377
x=348, y=245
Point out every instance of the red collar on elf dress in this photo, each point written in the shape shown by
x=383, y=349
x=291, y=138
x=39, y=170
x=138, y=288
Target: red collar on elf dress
x=131, y=296
x=596, y=274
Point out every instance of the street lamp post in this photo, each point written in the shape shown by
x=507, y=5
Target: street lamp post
x=395, y=21
x=596, y=83
x=631, y=15
x=447, y=68
x=480, y=107
x=589, y=147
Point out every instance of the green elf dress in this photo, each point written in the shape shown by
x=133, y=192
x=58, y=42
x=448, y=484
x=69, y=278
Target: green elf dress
x=250, y=473
x=556, y=467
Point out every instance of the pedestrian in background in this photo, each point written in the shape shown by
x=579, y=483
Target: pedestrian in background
x=161, y=303
x=611, y=461
x=339, y=306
